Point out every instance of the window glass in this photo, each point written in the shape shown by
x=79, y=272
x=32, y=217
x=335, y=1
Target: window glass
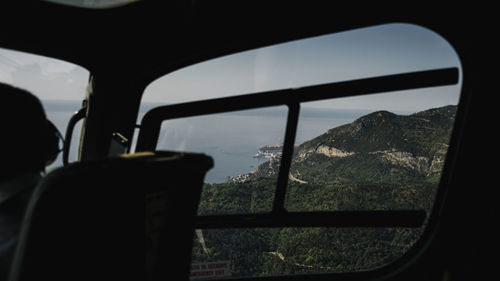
x=383, y=151
x=365, y=52
x=59, y=85
x=345, y=159
x=377, y=152
x=239, y=142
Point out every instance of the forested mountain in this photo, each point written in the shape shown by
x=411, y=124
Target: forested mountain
x=381, y=161
x=378, y=147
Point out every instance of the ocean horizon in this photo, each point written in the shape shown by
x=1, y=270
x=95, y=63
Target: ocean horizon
x=231, y=139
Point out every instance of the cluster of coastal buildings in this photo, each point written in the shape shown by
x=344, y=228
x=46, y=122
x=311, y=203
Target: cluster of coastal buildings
x=269, y=151
x=272, y=153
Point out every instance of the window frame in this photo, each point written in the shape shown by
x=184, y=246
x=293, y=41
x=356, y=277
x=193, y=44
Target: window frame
x=151, y=124
x=292, y=98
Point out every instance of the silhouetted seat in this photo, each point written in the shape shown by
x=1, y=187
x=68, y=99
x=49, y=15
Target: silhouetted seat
x=127, y=218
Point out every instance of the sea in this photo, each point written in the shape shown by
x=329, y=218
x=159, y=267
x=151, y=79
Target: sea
x=231, y=139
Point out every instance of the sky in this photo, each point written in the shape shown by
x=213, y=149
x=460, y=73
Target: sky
x=367, y=52
x=355, y=54
x=47, y=78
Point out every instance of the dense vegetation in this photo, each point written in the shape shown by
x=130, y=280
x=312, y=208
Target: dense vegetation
x=382, y=161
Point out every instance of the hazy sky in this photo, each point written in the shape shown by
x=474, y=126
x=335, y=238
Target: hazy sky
x=47, y=78
x=348, y=55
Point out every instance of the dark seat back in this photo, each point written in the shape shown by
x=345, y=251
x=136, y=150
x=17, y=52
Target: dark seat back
x=126, y=218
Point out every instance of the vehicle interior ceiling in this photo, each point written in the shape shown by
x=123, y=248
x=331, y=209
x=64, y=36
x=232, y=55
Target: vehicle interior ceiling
x=127, y=47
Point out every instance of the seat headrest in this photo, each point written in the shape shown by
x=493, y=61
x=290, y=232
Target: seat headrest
x=120, y=218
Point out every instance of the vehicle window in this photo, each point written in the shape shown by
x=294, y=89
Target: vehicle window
x=371, y=159
x=239, y=142
x=59, y=85
x=352, y=150
x=366, y=52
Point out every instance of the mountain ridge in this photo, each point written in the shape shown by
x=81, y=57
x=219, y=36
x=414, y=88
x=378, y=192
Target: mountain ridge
x=375, y=147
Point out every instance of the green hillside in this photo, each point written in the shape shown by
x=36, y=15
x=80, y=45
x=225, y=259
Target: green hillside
x=381, y=161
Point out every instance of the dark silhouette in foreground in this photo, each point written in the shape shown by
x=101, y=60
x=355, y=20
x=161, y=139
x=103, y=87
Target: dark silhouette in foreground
x=29, y=143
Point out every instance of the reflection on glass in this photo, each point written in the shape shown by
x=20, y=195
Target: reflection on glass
x=246, y=148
